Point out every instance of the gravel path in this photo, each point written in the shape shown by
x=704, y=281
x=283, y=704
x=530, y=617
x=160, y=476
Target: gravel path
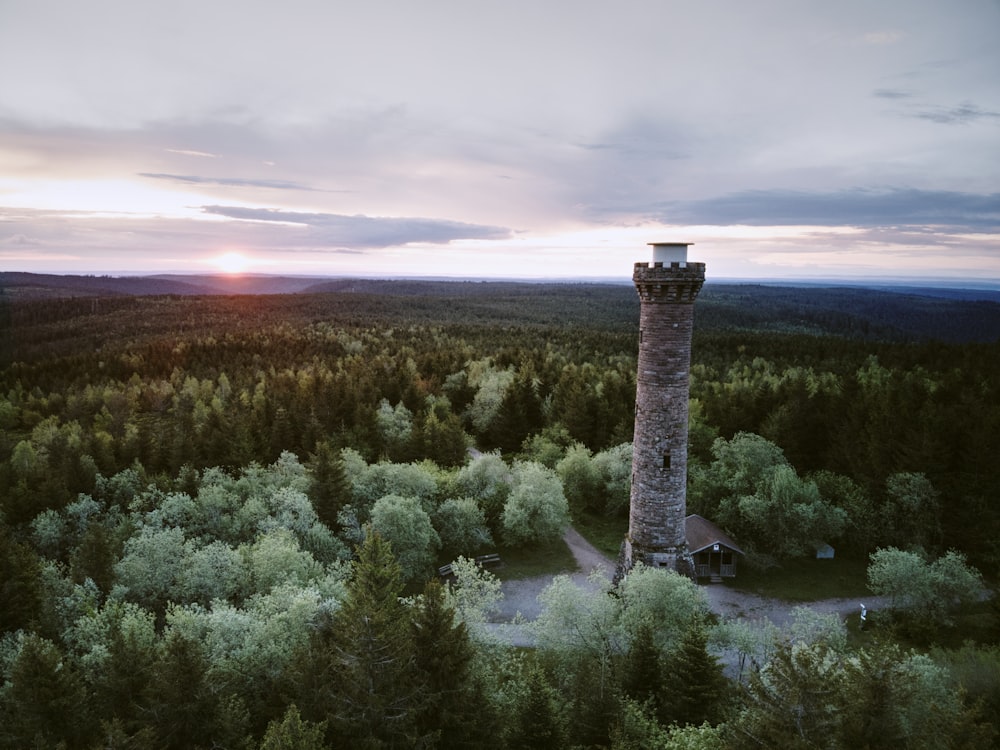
x=520, y=602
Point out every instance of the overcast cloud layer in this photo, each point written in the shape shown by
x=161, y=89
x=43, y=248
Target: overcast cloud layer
x=786, y=138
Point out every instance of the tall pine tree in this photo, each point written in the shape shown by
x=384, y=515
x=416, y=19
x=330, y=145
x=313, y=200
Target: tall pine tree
x=375, y=692
x=329, y=490
x=537, y=725
x=697, y=689
x=454, y=711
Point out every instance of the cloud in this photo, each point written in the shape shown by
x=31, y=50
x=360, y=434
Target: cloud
x=883, y=37
x=19, y=239
x=190, y=152
x=366, y=231
x=228, y=181
x=857, y=208
x=961, y=115
x=891, y=94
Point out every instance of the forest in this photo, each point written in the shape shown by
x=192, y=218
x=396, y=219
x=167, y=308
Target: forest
x=221, y=517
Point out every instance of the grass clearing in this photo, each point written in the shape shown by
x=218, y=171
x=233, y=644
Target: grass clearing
x=604, y=532
x=528, y=562
x=806, y=580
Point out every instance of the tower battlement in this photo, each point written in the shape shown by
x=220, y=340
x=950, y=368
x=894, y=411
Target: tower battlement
x=675, y=282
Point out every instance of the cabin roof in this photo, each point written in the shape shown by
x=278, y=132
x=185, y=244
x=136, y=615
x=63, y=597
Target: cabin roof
x=702, y=533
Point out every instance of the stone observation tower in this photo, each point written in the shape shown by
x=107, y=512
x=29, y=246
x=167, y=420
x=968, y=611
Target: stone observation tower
x=667, y=290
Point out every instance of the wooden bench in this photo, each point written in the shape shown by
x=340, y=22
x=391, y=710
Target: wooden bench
x=489, y=561
x=483, y=561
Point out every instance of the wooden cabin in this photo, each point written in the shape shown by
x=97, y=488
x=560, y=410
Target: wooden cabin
x=713, y=552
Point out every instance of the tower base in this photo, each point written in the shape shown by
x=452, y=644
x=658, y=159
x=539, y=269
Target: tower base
x=677, y=559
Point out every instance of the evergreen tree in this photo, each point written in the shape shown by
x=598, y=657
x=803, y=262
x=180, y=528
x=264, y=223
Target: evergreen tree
x=792, y=701
x=537, y=725
x=329, y=489
x=442, y=439
x=292, y=733
x=113, y=736
x=642, y=671
x=94, y=558
x=519, y=415
x=121, y=687
x=182, y=704
x=696, y=691
x=375, y=692
x=40, y=704
x=453, y=712
x=20, y=588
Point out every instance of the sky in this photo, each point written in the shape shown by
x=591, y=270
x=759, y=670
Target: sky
x=788, y=139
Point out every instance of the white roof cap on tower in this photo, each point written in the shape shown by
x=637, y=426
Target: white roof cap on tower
x=670, y=252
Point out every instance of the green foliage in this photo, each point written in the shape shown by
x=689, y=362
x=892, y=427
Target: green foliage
x=811, y=696
x=614, y=464
x=474, y=594
x=638, y=731
x=536, y=512
x=975, y=672
x=117, y=649
x=752, y=490
x=926, y=592
x=697, y=691
x=487, y=480
x=670, y=602
x=374, y=481
x=599, y=640
x=790, y=702
x=407, y=527
x=395, y=429
x=151, y=566
x=580, y=479
x=374, y=693
x=537, y=724
x=598, y=483
x=39, y=704
x=453, y=709
x=910, y=515
x=293, y=733
x=20, y=590
x=461, y=524
x=329, y=490
x=812, y=627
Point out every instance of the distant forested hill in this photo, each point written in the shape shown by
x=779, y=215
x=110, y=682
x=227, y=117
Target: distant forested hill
x=898, y=315
x=883, y=314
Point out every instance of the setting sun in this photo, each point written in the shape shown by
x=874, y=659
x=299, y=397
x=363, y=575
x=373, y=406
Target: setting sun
x=232, y=263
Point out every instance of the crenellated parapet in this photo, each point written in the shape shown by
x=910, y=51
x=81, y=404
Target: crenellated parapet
x=677, y=283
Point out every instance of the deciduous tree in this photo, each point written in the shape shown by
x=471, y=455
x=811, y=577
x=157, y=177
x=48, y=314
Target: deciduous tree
x=536, y=511
x=404, y=524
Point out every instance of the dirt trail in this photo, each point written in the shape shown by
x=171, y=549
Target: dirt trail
x=521, y=596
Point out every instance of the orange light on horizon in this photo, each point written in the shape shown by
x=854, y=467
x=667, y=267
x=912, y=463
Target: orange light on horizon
x=232, y=263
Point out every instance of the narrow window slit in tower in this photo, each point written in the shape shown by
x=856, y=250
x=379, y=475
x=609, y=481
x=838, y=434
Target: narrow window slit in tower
x=666, y=460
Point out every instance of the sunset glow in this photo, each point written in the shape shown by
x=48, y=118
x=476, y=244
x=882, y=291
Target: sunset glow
x=232, y=263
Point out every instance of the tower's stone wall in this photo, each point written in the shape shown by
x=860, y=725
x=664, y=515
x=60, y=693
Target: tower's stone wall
x=658, y=502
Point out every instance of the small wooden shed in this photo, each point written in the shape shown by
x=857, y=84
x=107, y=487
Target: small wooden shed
x=713, y=552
